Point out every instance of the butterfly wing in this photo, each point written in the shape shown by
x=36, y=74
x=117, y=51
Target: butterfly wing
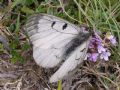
x=50, y=37
x=71, y=63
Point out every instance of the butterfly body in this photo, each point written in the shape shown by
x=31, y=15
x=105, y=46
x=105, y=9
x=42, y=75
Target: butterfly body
x=55, y=40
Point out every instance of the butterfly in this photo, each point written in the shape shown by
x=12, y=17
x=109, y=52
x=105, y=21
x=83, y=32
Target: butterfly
x=57, y=42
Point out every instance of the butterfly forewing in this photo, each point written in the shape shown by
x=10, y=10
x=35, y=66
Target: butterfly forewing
x=54, y=40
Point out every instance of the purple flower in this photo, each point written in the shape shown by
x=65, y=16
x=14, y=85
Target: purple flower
x=95, y=41
x=101, y=49
x=98, y=46
x=92, y=56
x=112, y=39
x=91, y=45
x=105, y=55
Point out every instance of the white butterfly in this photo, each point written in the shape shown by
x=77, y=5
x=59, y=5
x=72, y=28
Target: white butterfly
x=57, y=41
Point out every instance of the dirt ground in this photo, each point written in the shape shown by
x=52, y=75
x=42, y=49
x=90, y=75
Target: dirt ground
x=29, y=76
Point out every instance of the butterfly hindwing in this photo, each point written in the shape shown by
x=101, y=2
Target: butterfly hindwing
x=71, y=63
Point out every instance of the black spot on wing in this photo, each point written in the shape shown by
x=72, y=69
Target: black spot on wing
x=65, y=26
x=53, y=24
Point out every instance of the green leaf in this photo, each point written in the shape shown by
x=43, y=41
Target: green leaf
x=25, y=46
x=16, y=2
x=23, y=2
x=41, y=9
x=27, y=10
x=14, y=43
x=28, y=2
x=16, y=56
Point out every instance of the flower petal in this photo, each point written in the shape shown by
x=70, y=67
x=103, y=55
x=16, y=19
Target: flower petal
x=93, y=56
x=101, y=49
x=105, y=55
x=113, y=41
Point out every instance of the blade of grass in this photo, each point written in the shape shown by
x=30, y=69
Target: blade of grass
x=15, y=3
x=17, y=24
x=83, y=12
x=59, y=85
